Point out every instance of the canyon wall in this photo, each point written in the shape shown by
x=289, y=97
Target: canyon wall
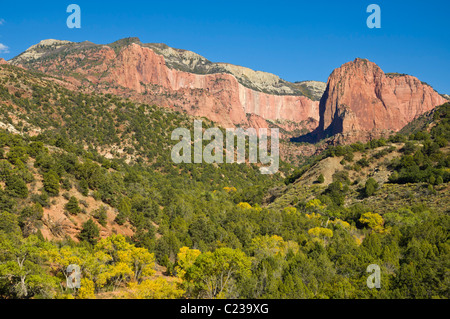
x=360, y=97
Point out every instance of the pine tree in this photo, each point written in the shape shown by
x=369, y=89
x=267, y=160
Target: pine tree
x=51, y=183
x=321, y=179
x=72, y=206
x=90, y=232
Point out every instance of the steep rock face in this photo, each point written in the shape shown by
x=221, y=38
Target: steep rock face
x=2, y=61
x=191, y=62
x=360, y=97
x=140, y=73
x=219, y=95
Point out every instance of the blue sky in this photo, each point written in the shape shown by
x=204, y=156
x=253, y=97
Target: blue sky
x=297, y=40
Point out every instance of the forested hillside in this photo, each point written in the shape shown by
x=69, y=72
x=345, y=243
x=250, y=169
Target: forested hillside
x=88, y=180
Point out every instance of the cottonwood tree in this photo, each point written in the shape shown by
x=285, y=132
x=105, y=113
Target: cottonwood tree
x=159, y=288
x=20, y=271
x=213, y=272
x=126, y=261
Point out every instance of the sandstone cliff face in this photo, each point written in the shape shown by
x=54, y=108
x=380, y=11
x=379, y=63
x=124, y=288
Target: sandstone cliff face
x=191, y=62
x=360, y=100
x=2, y=61
x=140, y=73
x=218, y=96
x=360, y=97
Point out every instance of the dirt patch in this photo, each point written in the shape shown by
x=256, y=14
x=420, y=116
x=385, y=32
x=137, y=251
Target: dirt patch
x=327, y=167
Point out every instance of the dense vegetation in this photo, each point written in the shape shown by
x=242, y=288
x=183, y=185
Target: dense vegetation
x=207, y=226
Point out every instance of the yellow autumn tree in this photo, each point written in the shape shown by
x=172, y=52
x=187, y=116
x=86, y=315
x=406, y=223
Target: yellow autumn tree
x=320, y=232
x=373, y=221
x=230, y=189
x=126, y=261
x=214, y=272
x=341, y=223
x=247, y=206
x=315, y=205
x=114, y=275
x=140, y=260
x=314, y=216
x=60, y=258
x=270, y=246
x=290, y=210
x=186, y=258
x=87, y=289
x=244, y=205
x=159, y=288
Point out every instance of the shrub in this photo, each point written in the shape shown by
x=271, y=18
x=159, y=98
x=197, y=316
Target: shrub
x=321, y=179
x=16, y=186
x=51, y=183
x=409, y=148
x=89, y=232
x=363, y=162
x=370, y=187
x=341, y=176
x=72, y=206
x=84, y=187
x=101, y=216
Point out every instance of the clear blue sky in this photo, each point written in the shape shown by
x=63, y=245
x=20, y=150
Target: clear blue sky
x=297, y=40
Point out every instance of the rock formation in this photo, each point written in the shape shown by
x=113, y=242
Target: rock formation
x=361, y=98
x=139, y=72
x=360, y=101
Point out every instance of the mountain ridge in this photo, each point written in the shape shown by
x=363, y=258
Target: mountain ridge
x=129, y=69
x=184, y=60
x=359, y=101
x=362, y=102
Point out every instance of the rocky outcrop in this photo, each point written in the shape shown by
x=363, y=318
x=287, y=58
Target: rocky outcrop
x=312, y=89
x=218, y=96
x=360, y=97
x=38, y=50
x=359, y=101
x=2, y=61
x=191, y=62
x=138, y=72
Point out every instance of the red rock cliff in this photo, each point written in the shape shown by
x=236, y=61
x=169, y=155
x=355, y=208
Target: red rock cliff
x=360, y=97
x=220, y=96
x=141, y=74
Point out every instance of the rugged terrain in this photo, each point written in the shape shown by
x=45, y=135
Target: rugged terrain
x=359, y=102
x=86, y=178
x=174, y=78
x=362, y=102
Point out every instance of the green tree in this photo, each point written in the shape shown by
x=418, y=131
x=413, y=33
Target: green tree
x=370, y=187
x=72, y=206
x=51, y=183
x=89, y=232
x=84, y=187
x=16, y=186
x=213, y=272
x=21, y=275
x=8, y=223
x=321, y=179
x=101, y=216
